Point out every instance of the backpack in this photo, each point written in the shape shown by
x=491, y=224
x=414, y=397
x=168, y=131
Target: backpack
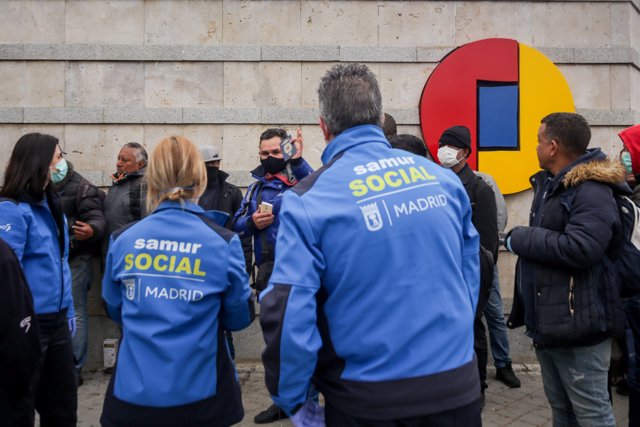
x=624, y=259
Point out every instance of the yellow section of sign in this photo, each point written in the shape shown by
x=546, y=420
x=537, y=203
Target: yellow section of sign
x=542, y=90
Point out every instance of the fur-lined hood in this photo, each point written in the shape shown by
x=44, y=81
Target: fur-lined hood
x=604, y=171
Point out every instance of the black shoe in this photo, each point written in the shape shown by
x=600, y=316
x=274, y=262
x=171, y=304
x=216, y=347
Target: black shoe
x=269, y=415
x=79, y=379
x=507, y=376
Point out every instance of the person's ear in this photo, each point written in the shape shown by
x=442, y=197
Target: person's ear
x=325, y=131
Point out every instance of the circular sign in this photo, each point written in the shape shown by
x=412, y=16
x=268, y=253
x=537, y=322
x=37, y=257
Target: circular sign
x=500, y=89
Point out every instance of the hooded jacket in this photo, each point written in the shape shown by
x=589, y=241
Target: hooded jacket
x=36, y=230
x=563, y=293
x=631, y=139
x=81, y=201
x=375, y=285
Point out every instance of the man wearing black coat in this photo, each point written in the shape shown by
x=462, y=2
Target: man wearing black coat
x=224, y=197
x=564, y=294
x=454, y=147
x=83, y=207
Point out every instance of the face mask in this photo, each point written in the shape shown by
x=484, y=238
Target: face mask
x=60, y=171
x=625, y=159
x=448, y=156
x=273, y=165
x=212, y=174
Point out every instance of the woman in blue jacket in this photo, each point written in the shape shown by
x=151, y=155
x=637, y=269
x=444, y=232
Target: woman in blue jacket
x=33, y=224
x=175, y=281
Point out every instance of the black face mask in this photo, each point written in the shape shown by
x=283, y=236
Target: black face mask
x=212, y=174
x=273, y=165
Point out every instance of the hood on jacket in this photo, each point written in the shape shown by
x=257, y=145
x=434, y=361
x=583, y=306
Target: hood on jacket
x=631, y=139
x=605, y=171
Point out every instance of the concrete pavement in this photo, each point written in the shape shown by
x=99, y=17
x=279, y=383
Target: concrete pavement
x=522, y=407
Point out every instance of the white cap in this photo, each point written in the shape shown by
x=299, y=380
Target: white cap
x=209, y=153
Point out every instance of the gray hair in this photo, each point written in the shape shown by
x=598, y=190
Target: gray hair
x=138, y=150
x=349, y=96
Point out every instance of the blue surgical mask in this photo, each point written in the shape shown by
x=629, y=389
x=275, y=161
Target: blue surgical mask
x=60, y=171
x=625, y=159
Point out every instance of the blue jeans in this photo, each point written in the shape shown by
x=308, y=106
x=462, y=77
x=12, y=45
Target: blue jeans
x=632, y=310
x=575, y=382
x=81, y=277
x=494, y=315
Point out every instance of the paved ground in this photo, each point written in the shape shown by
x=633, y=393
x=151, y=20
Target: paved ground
x=524, y=407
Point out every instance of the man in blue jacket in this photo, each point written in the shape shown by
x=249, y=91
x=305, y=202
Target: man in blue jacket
x=564, y=295
x=258, y=215
x=348, y=307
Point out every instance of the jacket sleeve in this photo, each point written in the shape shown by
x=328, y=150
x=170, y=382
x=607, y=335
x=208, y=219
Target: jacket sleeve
x=302, y=169
x=246, y=241
x=14, y=228
x=19, y=337
x=91, y=211
x=485, y=219
x=585, y=237
x=242, y=222
x=111, y=293
x=288, y=308
x=470, y=251
x=238, y=306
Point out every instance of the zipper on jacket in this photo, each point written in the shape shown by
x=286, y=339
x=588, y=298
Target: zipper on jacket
x=571, y=309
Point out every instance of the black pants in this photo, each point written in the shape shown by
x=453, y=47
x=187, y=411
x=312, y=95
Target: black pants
x=480, y=345
x=54, y=392
x=464, y=416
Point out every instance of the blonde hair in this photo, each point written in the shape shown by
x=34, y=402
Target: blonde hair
x=175, y=172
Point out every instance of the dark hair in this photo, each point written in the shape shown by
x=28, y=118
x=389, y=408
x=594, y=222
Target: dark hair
x=389, y=126
x=410, y=143
x=272, y=132
x=349, y=96
x=139, y=151
x=28, y=168
x=570, y=130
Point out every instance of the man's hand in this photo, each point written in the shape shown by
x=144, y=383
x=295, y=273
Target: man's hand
x=82, y=230
x=299, y=142
x=262, y=220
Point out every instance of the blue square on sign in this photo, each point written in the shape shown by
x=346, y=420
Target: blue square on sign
x=497, y=116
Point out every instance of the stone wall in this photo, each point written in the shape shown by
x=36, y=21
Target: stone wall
x=98, y=74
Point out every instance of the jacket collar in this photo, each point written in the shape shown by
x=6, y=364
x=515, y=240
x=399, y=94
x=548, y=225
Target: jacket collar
x=218, y=217
x=465, y=175
x=362, y=134
x=120, y=179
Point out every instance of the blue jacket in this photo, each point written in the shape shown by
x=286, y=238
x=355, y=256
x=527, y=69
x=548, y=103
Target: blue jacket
x=42, y=246
x=375, y=285
x=563, y=294
x=175, y=280
x=270, y=191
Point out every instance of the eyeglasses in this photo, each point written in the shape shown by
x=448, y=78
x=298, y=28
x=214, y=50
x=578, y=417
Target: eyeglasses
x=266, y=153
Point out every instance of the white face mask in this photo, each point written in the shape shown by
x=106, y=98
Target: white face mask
x=448, y=156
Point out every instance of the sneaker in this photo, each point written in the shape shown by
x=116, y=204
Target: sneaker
x=507, y=376
x=269, y=415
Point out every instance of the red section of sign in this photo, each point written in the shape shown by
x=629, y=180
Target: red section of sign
x=449, y=97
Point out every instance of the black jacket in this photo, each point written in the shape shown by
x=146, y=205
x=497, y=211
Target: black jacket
x=563, y=292
x=19, y=335
x=82, y=201
x=485, y=219
x=225, y=197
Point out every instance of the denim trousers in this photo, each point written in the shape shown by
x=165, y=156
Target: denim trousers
x=632, y=311
x=494, y=315
x=575, y=383
x=81, y=277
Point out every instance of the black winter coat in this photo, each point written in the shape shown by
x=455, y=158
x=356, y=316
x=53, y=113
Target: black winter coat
x=563, y=292
x=82, y=201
